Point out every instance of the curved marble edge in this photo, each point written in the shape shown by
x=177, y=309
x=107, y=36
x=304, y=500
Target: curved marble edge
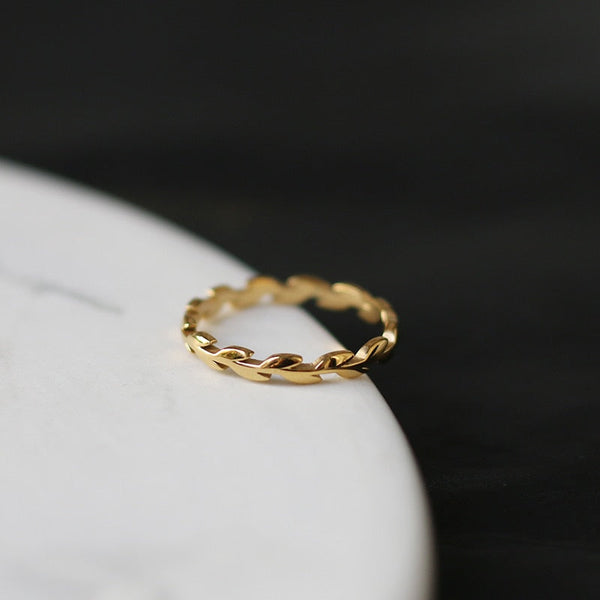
x=28, y=270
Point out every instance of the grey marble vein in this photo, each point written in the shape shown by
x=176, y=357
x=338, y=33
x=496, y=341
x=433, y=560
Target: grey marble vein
x=41, y=286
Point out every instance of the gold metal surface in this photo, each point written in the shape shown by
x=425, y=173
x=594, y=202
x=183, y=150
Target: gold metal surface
x=296, y=290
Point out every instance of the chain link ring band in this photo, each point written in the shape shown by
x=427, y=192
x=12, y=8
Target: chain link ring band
x=296, y=290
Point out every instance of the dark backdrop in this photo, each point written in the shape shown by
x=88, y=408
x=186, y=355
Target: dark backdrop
x=443, y=154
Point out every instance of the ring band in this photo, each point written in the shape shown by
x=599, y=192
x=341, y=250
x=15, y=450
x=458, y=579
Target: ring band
x=296, y=290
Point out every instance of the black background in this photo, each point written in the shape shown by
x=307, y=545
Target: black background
x=444, y=155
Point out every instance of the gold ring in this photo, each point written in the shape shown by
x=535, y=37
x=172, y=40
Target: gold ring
x=296, y=290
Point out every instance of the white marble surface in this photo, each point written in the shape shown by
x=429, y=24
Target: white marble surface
x=130, y=471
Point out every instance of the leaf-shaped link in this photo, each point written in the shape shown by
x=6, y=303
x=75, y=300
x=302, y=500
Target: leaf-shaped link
x=281, y=361
x=333, y=359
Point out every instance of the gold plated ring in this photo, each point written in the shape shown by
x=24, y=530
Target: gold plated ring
x=296, y=290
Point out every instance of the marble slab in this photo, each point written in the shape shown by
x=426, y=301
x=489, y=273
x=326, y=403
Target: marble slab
x=131, y=471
